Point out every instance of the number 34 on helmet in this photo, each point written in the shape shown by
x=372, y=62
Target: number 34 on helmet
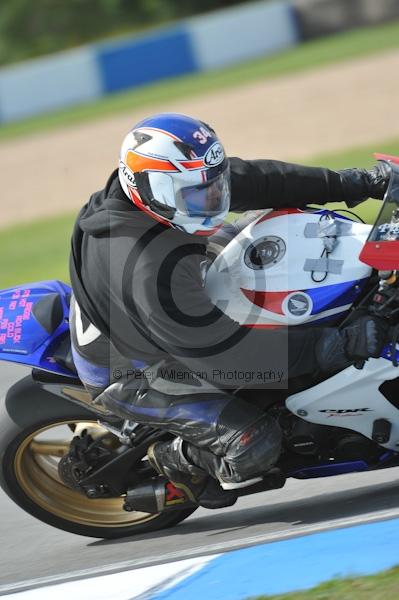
x=174, y=168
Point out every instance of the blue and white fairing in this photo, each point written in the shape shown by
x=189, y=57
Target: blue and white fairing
x=34, y=325
x=290, y=267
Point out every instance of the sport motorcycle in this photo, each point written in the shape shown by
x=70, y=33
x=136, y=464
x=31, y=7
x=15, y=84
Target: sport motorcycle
x=70, y=463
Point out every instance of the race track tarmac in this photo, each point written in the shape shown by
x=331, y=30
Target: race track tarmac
x=30, y=549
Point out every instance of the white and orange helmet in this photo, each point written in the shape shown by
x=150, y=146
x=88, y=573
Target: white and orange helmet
x=174, y=168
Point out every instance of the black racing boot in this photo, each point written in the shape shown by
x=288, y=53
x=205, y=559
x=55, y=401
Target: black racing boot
x=200, y=488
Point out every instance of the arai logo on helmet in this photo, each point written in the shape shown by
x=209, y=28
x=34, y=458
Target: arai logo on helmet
x=127, y=173
x=214, y=155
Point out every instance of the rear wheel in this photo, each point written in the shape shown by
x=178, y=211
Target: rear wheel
x=29, y=475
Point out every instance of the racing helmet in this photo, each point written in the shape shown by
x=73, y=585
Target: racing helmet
x=174, y=168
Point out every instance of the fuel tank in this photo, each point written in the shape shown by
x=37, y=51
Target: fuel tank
x=290, y=267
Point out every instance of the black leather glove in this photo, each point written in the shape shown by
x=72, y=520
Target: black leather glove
x=363, y=338
x=378, y=179
x=360, y=184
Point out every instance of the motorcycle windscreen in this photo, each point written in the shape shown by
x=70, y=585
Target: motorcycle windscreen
x=381, y=250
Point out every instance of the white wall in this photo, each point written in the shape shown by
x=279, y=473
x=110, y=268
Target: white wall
x=241, y=33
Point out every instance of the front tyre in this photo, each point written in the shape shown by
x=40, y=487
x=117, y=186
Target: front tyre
x=30, y=453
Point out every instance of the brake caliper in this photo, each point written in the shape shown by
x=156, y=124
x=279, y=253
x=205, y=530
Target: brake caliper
x=84, y=457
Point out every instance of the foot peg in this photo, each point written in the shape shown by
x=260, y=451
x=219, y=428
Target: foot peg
x=272, y=480
x=381, y=431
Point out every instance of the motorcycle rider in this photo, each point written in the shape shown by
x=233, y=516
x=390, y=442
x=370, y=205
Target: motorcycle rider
x=137, y=270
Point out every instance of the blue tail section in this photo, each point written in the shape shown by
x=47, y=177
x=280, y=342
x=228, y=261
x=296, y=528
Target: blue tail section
x=34, y=323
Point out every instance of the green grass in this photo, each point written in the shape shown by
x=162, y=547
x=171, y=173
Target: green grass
x=358, y=157
x=309, y=55
x=39, y=250
x=35, y=251
x=384, y=586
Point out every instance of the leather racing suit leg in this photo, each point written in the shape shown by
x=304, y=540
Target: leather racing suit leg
x=218, y=434
x=226, y=437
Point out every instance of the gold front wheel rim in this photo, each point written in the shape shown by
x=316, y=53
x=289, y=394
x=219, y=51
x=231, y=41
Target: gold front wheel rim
x=36, y=461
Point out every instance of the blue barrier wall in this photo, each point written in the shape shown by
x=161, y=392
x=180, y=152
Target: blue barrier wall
x=198, y=44
x=135, y=62
x=211, y=41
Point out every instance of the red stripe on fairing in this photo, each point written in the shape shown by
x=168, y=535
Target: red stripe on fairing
x=208, y=231
x=279, y=213
x=390, y=157
x=271, y=301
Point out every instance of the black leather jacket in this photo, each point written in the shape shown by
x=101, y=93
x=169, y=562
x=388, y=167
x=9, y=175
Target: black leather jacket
x=140, y=283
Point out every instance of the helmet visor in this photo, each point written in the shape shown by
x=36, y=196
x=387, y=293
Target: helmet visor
x=206, y=199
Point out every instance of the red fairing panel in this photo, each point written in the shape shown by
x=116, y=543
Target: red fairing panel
x=381, y=255
x=387, y=157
